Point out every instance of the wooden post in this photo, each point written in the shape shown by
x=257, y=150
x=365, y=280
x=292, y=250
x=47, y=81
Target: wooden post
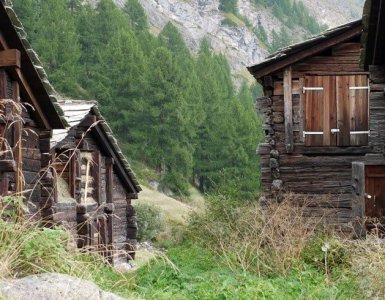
x=301, y=109
x=96, y=159
x=109, y=179
x=288, y=108
x=74, y=175
x=17, y=138
x=358, y=197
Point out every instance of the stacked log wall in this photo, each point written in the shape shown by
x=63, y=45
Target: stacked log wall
x=316, y=171
x=377, y=108
x=31, y=163
x=32, y=147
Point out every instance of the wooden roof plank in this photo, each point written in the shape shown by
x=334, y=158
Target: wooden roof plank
x=295, y=53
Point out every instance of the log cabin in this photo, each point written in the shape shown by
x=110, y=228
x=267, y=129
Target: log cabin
x=71, y=173
x=320, y=122
x=94, y=183
x=28, y=113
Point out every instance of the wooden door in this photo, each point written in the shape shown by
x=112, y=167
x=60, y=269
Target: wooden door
x=102, y=236
x=375, y=197
x=94, y=232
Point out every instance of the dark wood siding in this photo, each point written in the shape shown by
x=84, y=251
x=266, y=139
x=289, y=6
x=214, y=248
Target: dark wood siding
x=324, y=170
x=104, y=224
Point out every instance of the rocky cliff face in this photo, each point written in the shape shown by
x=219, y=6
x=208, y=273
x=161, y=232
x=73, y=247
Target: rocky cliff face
x=201, y=18
x=334, y=13
x=197, y=19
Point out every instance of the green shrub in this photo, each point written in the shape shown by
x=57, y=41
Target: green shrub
x=174, y=182
x=150, y=221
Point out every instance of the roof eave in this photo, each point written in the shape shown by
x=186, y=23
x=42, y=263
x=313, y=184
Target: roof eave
x=29, y=62
x=297, y=52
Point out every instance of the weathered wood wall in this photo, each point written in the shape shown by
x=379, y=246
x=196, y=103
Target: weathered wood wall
x=29, y=178
x=319, y=170
x=110, y=197
x=377, y=108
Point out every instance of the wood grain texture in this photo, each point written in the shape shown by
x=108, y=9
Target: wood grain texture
x=288, y=108
x=10, y=58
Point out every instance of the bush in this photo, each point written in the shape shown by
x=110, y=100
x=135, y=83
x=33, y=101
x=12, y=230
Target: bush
x=150, y=221
x=262, y=240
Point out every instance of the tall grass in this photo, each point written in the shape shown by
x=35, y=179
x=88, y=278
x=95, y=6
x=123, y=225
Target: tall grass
x=277, y=240
x=27, y=249
x=262, y=239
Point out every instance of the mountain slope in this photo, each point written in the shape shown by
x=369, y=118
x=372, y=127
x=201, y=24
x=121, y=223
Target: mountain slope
x=335, y=13
x=229, y=34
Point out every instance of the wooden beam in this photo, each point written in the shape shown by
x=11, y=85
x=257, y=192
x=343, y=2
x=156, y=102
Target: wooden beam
x=106, y=145
x=301, y=109
x=10, y=58
x=109, y=179
x=26, y=91
x=358, y=206
x=96, y=171
x=288, y=108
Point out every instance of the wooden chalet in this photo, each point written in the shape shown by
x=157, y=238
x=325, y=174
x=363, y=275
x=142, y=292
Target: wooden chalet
x=60, y=157
x=321, y=121
x=28, y=113
x=95, y=184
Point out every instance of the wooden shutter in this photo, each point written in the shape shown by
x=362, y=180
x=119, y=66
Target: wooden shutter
x=359, y=110
x=320, y=111
x=330, y=111
x=352, y=110
x=336, y=110
x=343, y=110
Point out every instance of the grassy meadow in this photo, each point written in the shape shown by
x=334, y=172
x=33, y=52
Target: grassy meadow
x=225, y=250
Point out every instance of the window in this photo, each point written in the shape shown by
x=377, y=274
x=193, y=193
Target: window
x=336, y=110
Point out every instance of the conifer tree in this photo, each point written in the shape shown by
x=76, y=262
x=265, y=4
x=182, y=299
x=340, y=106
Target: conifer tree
x=167, y=147
x=137, y=15
x=52, y=31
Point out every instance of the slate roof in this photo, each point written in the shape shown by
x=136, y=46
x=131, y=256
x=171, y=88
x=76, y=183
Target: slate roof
x=45, y=92
x=74, y=112
x=294, y=49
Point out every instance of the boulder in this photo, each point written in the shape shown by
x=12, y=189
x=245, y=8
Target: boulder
x=52, y=286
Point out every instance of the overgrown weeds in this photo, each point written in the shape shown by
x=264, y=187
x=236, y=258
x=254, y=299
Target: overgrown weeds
x=26, y=248
x=279, y=240
x=260, y=239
